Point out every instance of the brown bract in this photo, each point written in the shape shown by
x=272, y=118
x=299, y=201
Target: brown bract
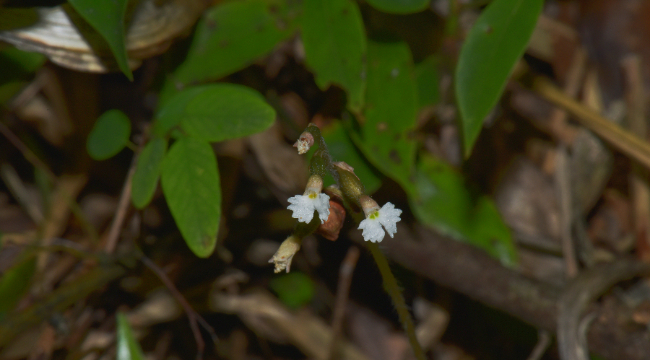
x=331, y=228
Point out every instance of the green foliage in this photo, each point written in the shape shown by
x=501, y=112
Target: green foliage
x=385, y=91
x=391, y=110
x=335, y=46
x=14, y=283
x=145, y=178
x=399, y=6
x=109, y=135
x=294, y=289
x=493, y=46
x=442, y=200
x=107, y=18
x=190, y=182
x=233, y=35
x=215, y=112
x=226, y=111
x=426, y=75
x=127, y=346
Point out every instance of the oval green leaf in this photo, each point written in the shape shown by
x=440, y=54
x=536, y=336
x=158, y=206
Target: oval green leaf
x=109, y=135
x=145, y=178
x=234, y=34
x=107, y=18
x=335, y=46
x=190, y=183
x=400, y=6
x=127, y=346
x=218, y=112
x=390, y=111
x=493, y=46
x=441, y=200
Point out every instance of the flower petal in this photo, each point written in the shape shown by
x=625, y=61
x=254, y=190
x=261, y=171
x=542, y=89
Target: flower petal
x=322, y=205
x=388, y=217
x=372, y=230
x=302, y=207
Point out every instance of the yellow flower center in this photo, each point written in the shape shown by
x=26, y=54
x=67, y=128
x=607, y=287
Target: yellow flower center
x=313, y=195
x=374, y=215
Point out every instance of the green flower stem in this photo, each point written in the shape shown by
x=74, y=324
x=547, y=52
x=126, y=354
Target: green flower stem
x=303, y=229
x=391, y=287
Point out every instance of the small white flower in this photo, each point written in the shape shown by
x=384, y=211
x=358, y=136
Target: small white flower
x=387, y=217
x=303, y=206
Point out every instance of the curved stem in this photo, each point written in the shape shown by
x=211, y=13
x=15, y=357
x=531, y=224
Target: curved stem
x=391, y=287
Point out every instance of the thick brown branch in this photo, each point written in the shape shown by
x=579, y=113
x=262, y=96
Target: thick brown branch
x=470, y=271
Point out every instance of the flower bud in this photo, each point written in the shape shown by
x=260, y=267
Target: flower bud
x=304, y=142
x=283, y=257
x=350, y=184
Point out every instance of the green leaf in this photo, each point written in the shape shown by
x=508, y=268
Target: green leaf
x=127, y=346
x=172, y=111
x=145, y=178
x=109, y=135
x=441, y=200
x=400, y=6
x=190, y=182
x=426, y=75
x=218, y=112
x=294, y=289
x=226, y=111
x=234, y=34
x=335, y=46
x=341, y=148
x=107, y=18
x=15, y=283
x=493, y=46
x=391, y=110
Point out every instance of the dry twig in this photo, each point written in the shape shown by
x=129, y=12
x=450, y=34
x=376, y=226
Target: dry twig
x=342, y=292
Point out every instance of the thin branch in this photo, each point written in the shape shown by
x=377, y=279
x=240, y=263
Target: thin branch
x=543, y=342
x=27, y=153
x=342, y=292
x=193, y=317
x=625, y=141
x=564, y=194
x=122, y=209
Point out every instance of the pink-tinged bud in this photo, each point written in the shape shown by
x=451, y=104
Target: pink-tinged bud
x=351, y=185
x=331, y=228
x=345, y=166
x=304, y=142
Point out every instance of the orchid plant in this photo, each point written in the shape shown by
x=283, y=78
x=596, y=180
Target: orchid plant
x=322, y=211
x=312, y=208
